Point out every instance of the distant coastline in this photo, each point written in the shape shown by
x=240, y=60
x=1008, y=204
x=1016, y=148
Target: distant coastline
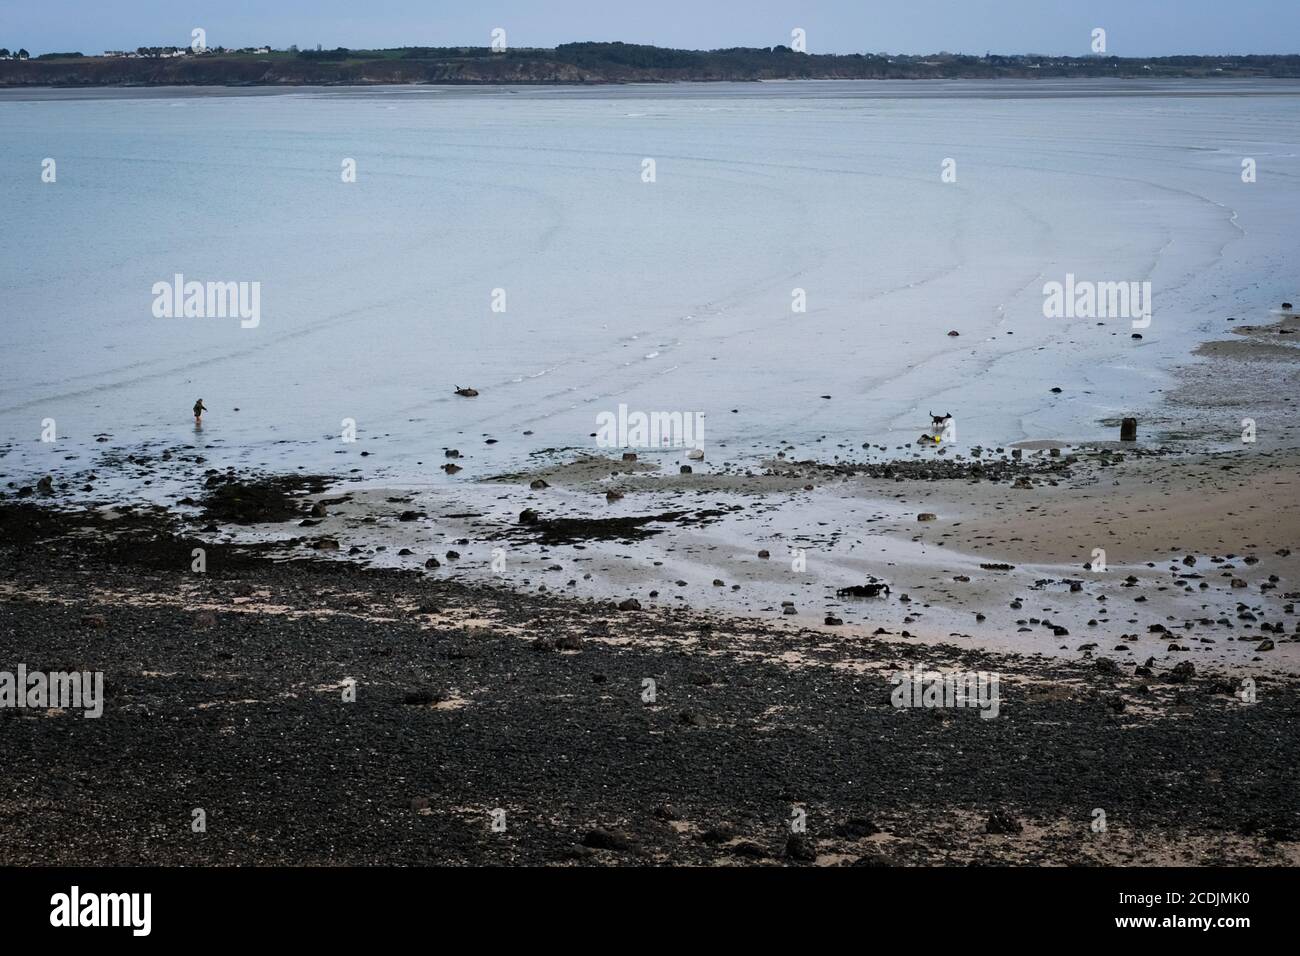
x=592, y=63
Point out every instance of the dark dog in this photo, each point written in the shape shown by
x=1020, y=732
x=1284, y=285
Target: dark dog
x=940, y=421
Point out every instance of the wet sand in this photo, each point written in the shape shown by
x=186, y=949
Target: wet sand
x=520, y=688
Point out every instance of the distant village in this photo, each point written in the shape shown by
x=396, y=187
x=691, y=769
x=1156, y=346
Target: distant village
x=141, y=53
x=166, y=52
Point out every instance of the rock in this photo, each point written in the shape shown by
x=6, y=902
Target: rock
x=452, y=453
x=927, y=516
x=630, y=604
x=96, y=621
x=856, y=828
x=749, y=850
x=612, y=495
x=629, y=456
x=325, y=544
x=667, y=812
x=451, y=468
x=467, y=392
x=833, y=621
x=722, y=833
x=420, y=698
x=411, y=516
x=1002, y=822
x=953, y=333
x=539, y=485
x=799, y=847
x=529, y=516
x=686, y=470
x=1105, y=665
x=45, y=486
x=1128, y=429
x=764, y=554
x=599, y=839
x=1181, y=673
x=695, y=454
x=318, y=510
x=1265, y=645
x=433, y=563
x=863, y=590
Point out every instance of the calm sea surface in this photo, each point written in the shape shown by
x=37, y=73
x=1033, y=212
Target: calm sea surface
x=518, y=241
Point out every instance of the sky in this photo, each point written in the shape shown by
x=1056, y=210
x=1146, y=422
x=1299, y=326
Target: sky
x=1052, y=27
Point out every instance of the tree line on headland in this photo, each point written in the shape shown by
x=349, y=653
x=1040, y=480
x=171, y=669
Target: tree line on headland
x=578, y=63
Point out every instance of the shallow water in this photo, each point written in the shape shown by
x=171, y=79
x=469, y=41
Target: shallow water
x=672, y=295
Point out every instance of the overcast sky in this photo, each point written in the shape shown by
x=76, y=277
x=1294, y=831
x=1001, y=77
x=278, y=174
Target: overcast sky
x=1133, y=27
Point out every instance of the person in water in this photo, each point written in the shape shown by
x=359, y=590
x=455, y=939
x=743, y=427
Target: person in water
x=199, y=409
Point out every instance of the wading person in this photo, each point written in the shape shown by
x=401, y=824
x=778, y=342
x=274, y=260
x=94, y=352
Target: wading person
x=199, y=409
